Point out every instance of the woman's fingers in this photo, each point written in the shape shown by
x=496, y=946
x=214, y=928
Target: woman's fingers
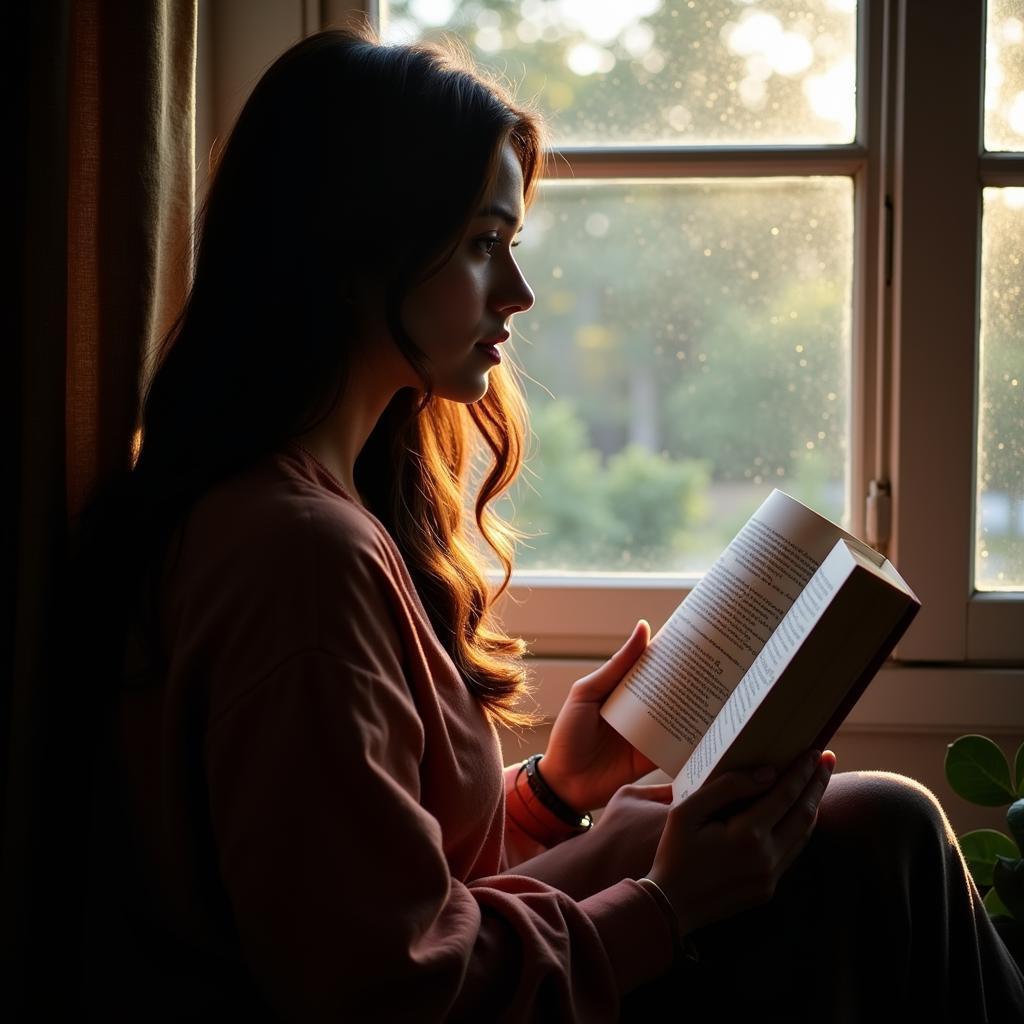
x=719, y=794
x=767, y=812
x=795, y=828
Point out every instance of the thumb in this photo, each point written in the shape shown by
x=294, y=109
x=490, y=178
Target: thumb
x=659, y=792
x=604, y=679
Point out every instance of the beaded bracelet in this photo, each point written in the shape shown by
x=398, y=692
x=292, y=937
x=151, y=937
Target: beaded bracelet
x=547, y=796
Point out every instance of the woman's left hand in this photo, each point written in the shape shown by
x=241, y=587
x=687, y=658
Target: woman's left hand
x=587, y=760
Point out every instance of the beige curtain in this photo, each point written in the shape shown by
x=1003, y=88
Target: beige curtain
x=103, y=212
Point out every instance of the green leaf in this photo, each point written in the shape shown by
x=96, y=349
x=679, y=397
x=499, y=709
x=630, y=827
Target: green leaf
x=1018, y=769
x=994, y=905
x=1008, y=880
x=1015, y=821
x=981, y=848
x=977, y=770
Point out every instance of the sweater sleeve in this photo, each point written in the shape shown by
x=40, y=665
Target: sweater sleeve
x=340, y=888
x=337, y=876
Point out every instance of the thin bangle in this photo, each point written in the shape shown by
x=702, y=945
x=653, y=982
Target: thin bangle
x=683, y=947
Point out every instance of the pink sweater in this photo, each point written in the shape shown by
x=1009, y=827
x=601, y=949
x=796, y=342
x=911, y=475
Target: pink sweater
x=316, y=797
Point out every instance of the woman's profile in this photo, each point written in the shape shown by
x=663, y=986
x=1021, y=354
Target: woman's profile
x=303, y=812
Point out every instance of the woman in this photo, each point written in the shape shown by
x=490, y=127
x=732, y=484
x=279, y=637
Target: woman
x=302, y=811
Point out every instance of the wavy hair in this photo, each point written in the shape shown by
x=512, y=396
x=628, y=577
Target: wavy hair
x=349, y=158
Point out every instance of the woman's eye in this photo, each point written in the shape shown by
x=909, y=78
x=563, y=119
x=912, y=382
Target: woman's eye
x=488, y=244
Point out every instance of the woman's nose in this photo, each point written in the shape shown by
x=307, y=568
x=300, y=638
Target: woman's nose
x=517, y=296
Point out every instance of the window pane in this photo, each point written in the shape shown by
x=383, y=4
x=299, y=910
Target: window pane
x=1004, y=76
x=704, y=72
x=689, y=349
x=999, y=554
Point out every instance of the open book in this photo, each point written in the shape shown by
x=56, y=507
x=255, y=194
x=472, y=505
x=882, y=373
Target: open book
x=766, y=656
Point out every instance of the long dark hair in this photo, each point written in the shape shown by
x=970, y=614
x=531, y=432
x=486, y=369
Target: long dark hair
x=348, y=157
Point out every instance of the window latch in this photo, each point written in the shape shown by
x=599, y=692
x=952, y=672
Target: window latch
x=878, y=518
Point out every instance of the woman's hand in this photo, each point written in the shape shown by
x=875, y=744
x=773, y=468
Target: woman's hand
x=712, y=867
x=621, y=844
x=587, y=760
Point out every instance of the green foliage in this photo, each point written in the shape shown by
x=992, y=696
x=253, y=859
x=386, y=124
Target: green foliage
x=995, y=906
x=981, y=848
x=633, y=508
x=978, y=771
x=759, y=399
x=651, y=498
x=1008, y=881
x=559, y=490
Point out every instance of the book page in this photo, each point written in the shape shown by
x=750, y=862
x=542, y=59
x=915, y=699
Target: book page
x=765, y=669
x=670, y=698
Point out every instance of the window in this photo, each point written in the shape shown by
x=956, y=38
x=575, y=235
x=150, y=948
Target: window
x=906, y=297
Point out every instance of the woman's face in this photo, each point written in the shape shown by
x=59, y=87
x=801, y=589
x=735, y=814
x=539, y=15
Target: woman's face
x=460, y=316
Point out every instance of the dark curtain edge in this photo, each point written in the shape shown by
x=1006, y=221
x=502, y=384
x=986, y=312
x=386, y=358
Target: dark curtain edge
x=35, y=542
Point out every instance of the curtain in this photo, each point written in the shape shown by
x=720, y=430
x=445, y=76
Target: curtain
x=103, y=208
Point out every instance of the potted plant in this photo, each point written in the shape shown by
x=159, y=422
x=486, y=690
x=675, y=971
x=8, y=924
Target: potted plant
x=978, y=771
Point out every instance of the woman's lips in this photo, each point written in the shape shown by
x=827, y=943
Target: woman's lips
x=490, y=346
x=490, y=350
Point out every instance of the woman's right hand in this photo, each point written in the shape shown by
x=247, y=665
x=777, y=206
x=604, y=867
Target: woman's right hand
x=712, y=867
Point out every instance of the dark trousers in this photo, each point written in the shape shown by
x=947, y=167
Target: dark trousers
x=877, y=920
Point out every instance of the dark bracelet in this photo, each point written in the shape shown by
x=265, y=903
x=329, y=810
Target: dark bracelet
x=550, y=799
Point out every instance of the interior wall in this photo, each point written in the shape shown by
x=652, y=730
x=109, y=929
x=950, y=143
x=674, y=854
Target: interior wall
x=258, y=31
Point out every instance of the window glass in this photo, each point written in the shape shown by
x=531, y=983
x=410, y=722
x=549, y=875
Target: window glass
x=1004, y=76
x=688, y=351
x=999, y=551
x=682, y=72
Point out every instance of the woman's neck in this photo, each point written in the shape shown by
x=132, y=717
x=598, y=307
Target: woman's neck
x=338, y=439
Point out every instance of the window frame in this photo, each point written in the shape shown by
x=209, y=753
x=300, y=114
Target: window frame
x=938, y=121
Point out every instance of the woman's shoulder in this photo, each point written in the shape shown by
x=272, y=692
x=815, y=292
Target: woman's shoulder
x=278, y=536
x=275, y=565
x=283, y=507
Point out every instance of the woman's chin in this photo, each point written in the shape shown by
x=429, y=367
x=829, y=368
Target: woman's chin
x=465, y=392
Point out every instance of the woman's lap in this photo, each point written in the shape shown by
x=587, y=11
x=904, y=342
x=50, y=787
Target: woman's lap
x=877, y=913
